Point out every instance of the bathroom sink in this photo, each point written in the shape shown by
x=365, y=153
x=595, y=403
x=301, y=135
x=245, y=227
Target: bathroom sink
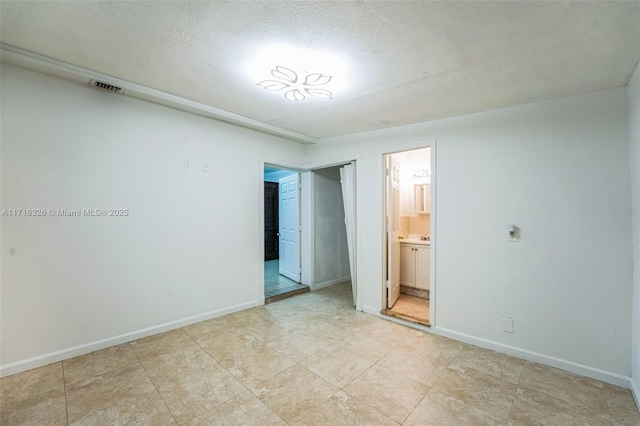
x=415, y=241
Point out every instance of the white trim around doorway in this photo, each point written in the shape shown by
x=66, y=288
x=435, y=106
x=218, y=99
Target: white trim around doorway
x=429, y=143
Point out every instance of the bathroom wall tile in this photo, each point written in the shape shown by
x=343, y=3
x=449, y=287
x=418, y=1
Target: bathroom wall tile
x=42, y=408
x=100, y=392
x=31, y=383
x=477, y=389
x=293, y=393
x=147, y=409
x=191, y=396
x=438, y=409
x=383, y=389
x=420, y=224
x=99, y=362
x=496, y=364
x=244, y=409
x=341, y=409
x=337, y=365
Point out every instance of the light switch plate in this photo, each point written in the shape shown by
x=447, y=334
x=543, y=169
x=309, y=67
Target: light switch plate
x=206, y=167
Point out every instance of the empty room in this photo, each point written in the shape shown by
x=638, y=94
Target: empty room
x=320, y=213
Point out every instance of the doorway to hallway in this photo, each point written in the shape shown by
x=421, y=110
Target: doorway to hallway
x=281, y=234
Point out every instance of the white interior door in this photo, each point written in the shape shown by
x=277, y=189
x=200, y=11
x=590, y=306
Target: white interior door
x=290, y=227
x=393, y=230
x=347, y=180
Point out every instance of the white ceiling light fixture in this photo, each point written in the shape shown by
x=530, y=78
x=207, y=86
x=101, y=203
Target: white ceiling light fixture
x=297, y=73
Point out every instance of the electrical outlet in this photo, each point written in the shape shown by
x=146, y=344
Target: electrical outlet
x=206, y=167
x=507, y=325
x=187, y=165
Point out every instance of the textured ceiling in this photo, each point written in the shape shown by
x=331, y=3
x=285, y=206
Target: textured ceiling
x=406, y=61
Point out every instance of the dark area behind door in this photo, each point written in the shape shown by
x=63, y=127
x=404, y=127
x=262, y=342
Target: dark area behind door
x=271, y=222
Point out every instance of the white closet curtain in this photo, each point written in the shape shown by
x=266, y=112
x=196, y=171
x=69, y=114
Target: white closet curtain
x=348, y=181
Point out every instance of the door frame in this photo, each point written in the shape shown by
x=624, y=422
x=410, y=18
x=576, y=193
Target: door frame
x=430, y=143
x=356, y=160
x=304, y=234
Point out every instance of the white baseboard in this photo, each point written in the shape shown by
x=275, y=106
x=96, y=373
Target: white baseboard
x=329, y=283
x=635, y=390
x=61, y=355
x=551, y=361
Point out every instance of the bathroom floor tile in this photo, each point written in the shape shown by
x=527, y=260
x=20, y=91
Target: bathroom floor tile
x=293, y=393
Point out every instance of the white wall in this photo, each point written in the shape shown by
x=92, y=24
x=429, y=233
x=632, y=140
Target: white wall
x=331, y=255
x=69, y=282
x=559, y=170
x=633, y=97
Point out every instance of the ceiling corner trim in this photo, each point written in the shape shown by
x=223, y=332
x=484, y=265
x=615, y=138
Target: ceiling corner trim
x=26, y=59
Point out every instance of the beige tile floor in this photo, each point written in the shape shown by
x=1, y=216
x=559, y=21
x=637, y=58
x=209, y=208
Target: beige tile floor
x=411, y=308
x=308, y=360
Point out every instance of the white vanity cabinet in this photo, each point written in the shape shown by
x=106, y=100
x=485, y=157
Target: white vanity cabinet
x=414, y=264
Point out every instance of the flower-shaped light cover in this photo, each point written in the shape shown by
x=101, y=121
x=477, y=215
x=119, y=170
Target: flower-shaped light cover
x=296, y=90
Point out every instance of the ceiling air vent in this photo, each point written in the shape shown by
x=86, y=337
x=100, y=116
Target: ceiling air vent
x=105, y=86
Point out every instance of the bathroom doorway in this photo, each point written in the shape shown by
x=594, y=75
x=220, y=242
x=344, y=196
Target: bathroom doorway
x=281, y=234
x=408, y=279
